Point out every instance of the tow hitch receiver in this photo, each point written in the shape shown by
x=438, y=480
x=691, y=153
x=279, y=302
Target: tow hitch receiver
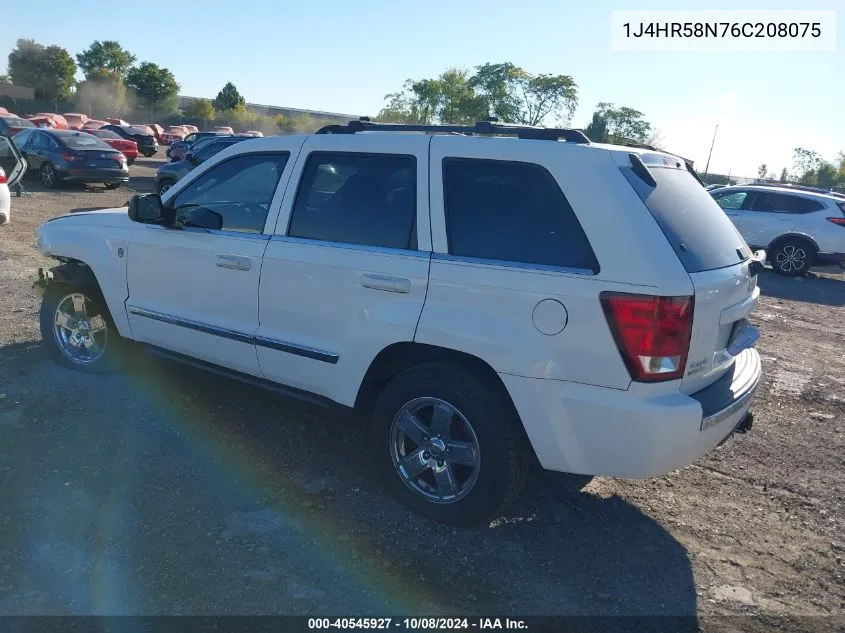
x=745, y=424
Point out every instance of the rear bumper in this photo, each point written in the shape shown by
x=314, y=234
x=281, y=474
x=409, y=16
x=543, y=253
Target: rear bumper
x=95, y=175
x=591, y=430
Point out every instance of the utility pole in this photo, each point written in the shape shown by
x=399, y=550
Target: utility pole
x=707, y=168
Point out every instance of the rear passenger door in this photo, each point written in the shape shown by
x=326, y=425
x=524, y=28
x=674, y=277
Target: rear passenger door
x=346, y=272
x=512, y=265
x=770, y=215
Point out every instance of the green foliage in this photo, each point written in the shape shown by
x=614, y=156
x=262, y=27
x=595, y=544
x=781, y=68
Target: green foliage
x=5, y=79
x=806, y=160
x=155, y=86
x=200, y=109
x=104, y=96
x=504, y=90
x=716, y=179
x=49, y=70
x=618, y=125
x=107, y=59
x=229, y=98
x=762, y=170
x=597, y=129
x=784, y=175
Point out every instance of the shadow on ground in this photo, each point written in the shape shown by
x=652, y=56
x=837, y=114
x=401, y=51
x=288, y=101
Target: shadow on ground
x=167, y=490
x=810, y=288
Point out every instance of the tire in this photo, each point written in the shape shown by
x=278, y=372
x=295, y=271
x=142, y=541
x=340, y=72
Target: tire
x=130, y=162
x=109, y=346
x=164, y=185
x=149, y=154
x=113, y=185
x=484, y=432
x=49, y=177
x=792, y=256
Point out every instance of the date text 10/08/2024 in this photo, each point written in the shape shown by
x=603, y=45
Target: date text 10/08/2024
x=417, y=624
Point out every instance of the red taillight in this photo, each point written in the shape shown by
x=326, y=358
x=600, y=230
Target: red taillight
x=839, y=221
x=652, y=333
x=3, y=180
x=72, y=157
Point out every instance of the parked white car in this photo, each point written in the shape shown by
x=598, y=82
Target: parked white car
x=799, y=227
x=12, y=169
x=481, y=301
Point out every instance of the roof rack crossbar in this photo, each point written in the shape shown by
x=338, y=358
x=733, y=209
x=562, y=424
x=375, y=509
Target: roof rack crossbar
x=481, y=127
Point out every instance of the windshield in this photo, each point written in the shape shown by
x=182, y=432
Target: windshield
x=701, y=234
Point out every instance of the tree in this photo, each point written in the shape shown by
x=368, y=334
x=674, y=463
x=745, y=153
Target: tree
x=49, y=70
x=105, y=59
x=619, y=125
x=154, y=85
x=762, y=170
x=784, y=175
x=200, y=109
x=5, y=79
x=229, y=98
x=806, y=160
x=597, y=129
x=826, y=175
x=503, y=90
x=105, y=96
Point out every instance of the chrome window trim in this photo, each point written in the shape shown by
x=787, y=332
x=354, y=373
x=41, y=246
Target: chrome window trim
x=504, y=263
x=352, y=247
x=221, y=233
x=249, y=339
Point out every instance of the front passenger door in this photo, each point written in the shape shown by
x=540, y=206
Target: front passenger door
x=769, y=217
x=194, y=290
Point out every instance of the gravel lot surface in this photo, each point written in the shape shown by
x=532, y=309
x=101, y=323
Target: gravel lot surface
x=169, y=491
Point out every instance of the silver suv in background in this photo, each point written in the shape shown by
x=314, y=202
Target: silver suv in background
x=799, y=227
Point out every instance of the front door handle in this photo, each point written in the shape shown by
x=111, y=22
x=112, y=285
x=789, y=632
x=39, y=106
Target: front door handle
x=235, y=262
x=383, y=282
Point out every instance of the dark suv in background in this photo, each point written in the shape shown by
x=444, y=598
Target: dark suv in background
x=170, y=173
x=147, y=144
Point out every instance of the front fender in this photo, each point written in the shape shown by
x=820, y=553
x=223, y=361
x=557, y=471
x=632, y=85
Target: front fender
x=98, y=256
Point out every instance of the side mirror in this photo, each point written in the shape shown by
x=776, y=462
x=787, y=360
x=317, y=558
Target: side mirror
x=148, y=209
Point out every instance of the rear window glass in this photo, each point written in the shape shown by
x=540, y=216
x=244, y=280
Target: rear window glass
x=14, y=121
x=138, y=130
x=700, y=233
x=84, y=141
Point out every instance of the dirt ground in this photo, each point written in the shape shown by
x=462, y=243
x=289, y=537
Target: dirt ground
x=169, y=491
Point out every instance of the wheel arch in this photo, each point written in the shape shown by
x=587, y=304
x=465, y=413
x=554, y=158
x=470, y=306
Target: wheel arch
x=791, y=235
x=398, y=357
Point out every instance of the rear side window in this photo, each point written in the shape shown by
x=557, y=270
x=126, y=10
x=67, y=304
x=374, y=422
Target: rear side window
x=511, y=211
x=781, y=203
x=702, y=236
x=368, y=199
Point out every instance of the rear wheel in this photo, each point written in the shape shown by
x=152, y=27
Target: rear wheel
x=792, y=256
x=449, y=444
x=49, y=178
x=113, y=185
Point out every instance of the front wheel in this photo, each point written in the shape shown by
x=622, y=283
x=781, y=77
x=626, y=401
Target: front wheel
x=113, y=185
x=77, y=329
x=449, y=443
x=792, y=257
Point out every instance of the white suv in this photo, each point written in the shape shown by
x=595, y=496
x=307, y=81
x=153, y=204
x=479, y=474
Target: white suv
x=12, y=169
x=798, y=226
x=482, y=294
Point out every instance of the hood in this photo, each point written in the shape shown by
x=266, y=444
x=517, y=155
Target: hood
x=96, y=217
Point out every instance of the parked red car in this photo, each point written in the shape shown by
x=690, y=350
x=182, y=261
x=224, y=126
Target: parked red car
x=124, y=146
x=173, y=133
x=94, y=124
x=75, y=120
x=157, y=131
x=49, y=120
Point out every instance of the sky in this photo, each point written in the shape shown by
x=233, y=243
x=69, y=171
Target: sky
x=342, y=56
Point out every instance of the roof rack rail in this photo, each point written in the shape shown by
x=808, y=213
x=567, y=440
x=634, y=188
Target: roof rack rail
x=364, y=124
x=796, y=187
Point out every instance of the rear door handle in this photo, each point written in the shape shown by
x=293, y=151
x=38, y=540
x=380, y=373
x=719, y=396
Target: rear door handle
x=235, y=262
x=383, y=282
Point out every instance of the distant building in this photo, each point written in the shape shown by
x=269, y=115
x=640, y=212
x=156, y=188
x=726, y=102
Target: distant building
x=17, y=92
x=276, y=110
